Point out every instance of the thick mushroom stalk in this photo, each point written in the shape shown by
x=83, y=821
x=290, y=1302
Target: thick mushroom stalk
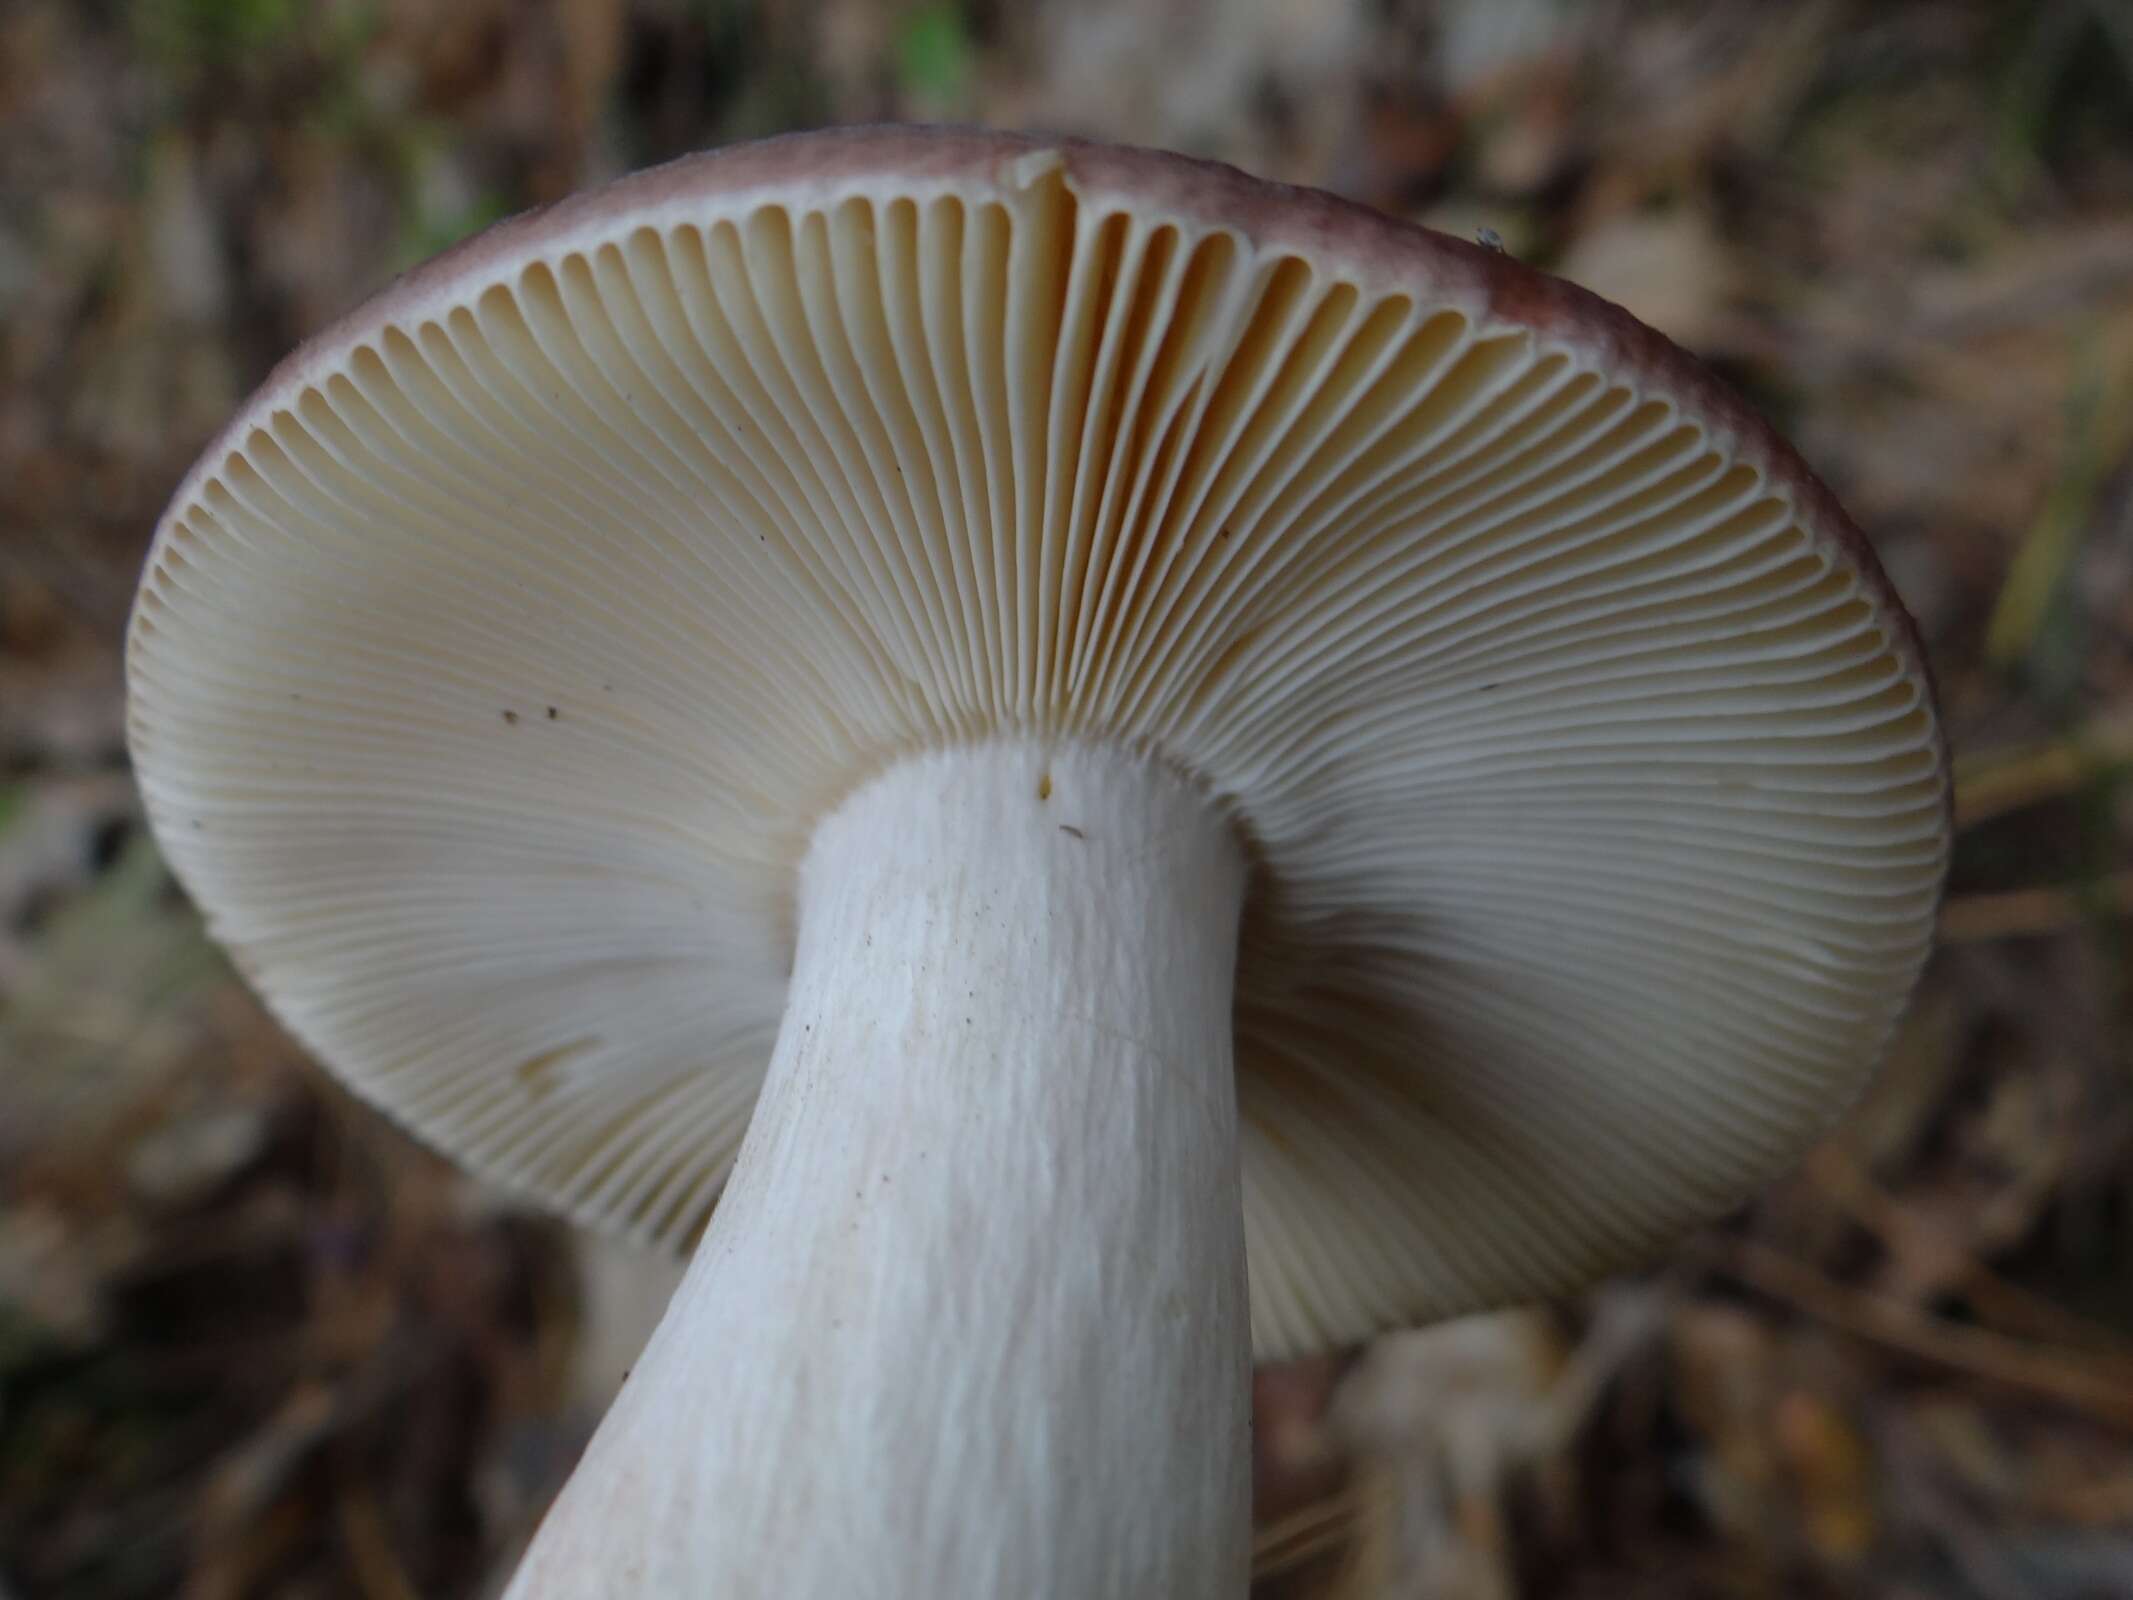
x=970, y=1317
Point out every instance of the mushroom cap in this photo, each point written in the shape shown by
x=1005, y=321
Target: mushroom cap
x=489, y=671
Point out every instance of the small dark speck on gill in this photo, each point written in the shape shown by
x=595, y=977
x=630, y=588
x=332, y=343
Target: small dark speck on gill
x=511, y=718
x=537, y=1074
x=553, y=713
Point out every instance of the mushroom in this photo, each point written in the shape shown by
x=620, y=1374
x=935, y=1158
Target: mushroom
x=1038, y=722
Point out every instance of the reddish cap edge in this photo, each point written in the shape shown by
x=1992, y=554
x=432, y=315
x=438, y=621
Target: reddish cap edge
x=1380, y=252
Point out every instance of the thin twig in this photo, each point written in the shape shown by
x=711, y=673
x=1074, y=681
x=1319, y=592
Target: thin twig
x=2040, y=564
x=2009, y=780
x=2016, y=1311
x=372, y=1559
x=1304, y=1535
x=2076, y=1380
x=2035, y=913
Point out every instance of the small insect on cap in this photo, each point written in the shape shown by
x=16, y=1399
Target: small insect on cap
x=490, y=672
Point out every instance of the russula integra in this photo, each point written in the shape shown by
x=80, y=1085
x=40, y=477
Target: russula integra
x=1052, y=722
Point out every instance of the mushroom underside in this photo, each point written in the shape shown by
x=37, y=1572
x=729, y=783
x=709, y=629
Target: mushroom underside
x=1402, y=781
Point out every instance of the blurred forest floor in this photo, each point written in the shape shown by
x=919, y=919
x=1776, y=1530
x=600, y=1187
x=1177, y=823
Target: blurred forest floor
x=252, y=1343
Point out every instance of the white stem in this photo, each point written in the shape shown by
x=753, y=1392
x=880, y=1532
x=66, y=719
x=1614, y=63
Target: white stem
x=970, y=1319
